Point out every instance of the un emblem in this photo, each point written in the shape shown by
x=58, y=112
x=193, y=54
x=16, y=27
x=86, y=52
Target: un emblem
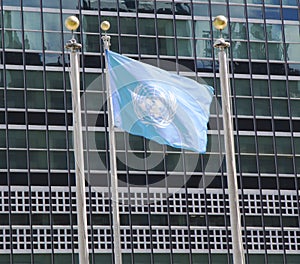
x=154, y=105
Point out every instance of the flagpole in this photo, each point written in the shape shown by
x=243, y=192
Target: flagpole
x=105, y=25
x=220, y=22
x=72, y=23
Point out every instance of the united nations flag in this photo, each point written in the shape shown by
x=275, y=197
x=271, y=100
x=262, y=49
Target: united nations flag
x=153, y=103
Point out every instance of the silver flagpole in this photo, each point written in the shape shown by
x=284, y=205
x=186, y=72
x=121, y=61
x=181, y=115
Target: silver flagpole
x=105, y=25
x=72, y=23
x=220, y=22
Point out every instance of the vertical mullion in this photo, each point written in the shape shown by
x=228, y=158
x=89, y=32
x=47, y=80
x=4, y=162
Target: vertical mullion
x=47, y=134
x=175, y=37
x=137, y=29
x=148, y=200
x=256, y=137
x=27, y=135
x=156, y=32
x=206, y=212
x=290, y=112
x=70, y=175
x=11, y=259
x=187, y=206
x=126, y=140
x=168, y=204
x=273, y=133
x=202, y=157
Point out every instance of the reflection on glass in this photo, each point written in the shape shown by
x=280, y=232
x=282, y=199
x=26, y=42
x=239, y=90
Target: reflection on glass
x=293, y=53
x=242, y=87
x=256, y=31
x=272, y=2
x=289, y=32
x=290, y=14
x=165, y=27
x=278, y=88
x=11, y=2
x=184, y=28
x=35, y=99
x=12, y=19
x=13, y=39
x=244, y=106
x=128, y=25
x=248, y=163
x=202, y=29
x=164, y=7
x=272, y=13
x=219, y=9
x=91, y=43
x=274, y=32
x=239, y=49
x=52, y=41
x=275, y=51
x=90, y=4
x=283, y=145
x=238, y=30
x=290, y=2
x=262, y=107
x=90, y=24
x=146, y=26
x=247, y=144
x=260, y=87
x=15, y=99
x=166, y=46
x=201, y=9
x=185, y=47
x=254, y=1
x=33, y=40
x=52, y=21
x=203, y=48
x=236, y=11
x=38, y=159
x=31, y=3
x=14, y=79
x=295, y=111
x=255, y=12
x=147, y=46
x=258, y=50
x=294, y=89
x=32, y=20
x=129, y=45
x=280, y=107
x=265, y=145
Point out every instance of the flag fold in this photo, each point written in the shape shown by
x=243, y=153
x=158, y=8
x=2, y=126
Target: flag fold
x=158, y=105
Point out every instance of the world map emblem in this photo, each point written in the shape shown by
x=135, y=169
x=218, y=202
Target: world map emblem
x=154, y=105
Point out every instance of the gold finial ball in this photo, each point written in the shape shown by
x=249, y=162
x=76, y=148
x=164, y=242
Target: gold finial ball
x=220, y=22
x=105, y=25
x=72, y=23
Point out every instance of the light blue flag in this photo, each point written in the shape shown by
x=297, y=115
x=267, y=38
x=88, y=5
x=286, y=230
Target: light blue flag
x=153, y=103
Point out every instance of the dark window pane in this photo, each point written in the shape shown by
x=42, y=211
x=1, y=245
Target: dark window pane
x=272, y=13
x=18, y=178
x=20, y=219
x=18, y=159
x=290, y=14
x=38, y=159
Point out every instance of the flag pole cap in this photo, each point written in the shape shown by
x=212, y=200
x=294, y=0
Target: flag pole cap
x=105, y=25
x=220, y=22
x=72, y=23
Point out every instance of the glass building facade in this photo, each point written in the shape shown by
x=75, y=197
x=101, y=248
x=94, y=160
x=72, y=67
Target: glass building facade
x=173, y=203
